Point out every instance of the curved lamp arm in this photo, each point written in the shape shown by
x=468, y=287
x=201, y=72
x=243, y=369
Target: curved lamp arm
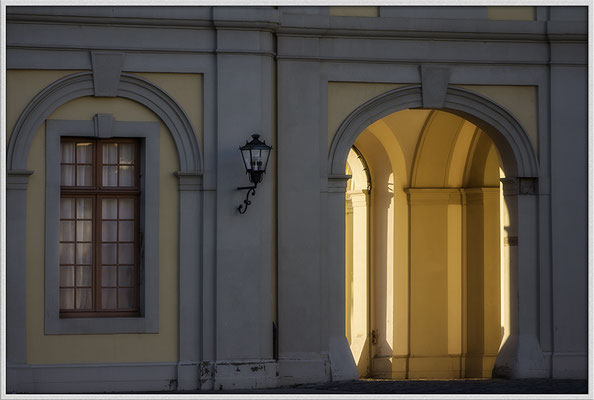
x=246, y=202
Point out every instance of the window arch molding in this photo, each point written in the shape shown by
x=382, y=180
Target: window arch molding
x=80, y=85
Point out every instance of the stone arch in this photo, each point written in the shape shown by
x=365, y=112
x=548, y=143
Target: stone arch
x=518, y=155
x=520, y=355
x=81, y=84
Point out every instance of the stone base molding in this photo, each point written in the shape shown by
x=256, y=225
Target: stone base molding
x=91, y=378
x=294, y=371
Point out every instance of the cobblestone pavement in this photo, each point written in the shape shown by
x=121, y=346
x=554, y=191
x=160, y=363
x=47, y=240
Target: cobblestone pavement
x=451, y=386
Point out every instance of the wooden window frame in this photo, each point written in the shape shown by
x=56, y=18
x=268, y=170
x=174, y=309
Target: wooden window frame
x=97, y=192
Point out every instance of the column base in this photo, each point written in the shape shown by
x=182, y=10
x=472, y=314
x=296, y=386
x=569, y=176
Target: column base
x=342, y=363
x=520, y=358
x=389, y=367
x=434, y=367
x=244, y=374
x=296, y=371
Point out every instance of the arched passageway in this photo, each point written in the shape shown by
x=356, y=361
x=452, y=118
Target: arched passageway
x=444, y=197
x=423, y=248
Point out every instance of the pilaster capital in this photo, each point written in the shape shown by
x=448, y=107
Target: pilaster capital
x=519, y=186
x=433, y=196
x=18, y=179
x=358, y=198
x=480, y=194
x=337, y=183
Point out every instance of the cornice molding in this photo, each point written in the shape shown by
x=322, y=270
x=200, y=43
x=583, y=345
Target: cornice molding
x=294, y=24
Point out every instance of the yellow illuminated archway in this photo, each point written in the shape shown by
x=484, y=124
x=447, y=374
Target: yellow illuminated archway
x=423, y=248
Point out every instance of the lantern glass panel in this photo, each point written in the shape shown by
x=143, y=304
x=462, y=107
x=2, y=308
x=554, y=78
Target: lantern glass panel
x=246, y=159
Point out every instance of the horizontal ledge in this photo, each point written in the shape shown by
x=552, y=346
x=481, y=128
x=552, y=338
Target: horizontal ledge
x=20, y=172
x=188, y=173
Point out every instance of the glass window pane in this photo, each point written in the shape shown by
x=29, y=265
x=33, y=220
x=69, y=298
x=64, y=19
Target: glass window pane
x=66, y=208
x=84, y=175
x=126, y=254
x=84, y=153
x=108, y=299
x=126, y=275
x=108, y=253
x=126, y=153
x=67, y=177
x=84, y=299
x=84, y=276
x=67, y=152
x=126, y=231
x=110, y=176
x=108, y=276
x=84, y=253
x=84, y=208
x=67, y=231
x=126, y=298
x=84, y=231
x=127, y=176
x=108, y=232
x=110, y=153
x=66, y=253
x=126, y=208
x=67, y=276
x=109, y=209
x=66, y=299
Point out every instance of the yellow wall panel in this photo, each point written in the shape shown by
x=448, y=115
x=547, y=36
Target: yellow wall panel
x=354, y=11
x=345, y=97
x=521, y=101
x=512, y=13
x=21, y=87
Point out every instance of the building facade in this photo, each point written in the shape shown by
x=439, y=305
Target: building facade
x=423, y=213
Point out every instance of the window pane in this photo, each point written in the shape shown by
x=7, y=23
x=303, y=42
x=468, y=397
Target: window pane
x=84, y=253
x=67, y=231
x=110, y=176
x=84, y=299
x=66, y=299
x=127, y=176
x=108, y=254
x=110, y=153
x=126, y=231
x=84, y=175
x=67, y=177
x=84, y=276
x=126, y=254
x=67, y=276
x=84, y=231
x=126, y=153
x=66, y=208
x=126, y=275
x=66, y=253
x=84, y=208
x=108, y=299
x=126, y=208
x=67, y=152
x=108, y=276
x=108, y=233
x=109, y=209
x=126, y=298
x=84, y=153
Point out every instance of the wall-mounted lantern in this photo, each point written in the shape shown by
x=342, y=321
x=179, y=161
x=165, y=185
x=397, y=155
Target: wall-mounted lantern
x=255, y=158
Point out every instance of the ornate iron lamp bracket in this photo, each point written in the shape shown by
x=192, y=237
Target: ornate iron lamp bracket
x=246, y=202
